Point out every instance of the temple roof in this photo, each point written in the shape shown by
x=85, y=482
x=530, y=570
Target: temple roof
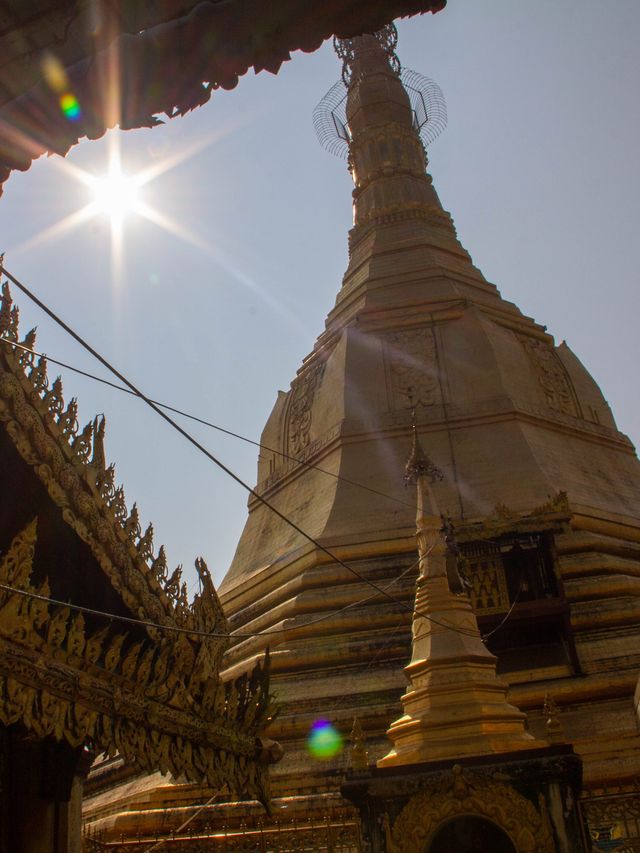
x=99, y=645
x=126, y=63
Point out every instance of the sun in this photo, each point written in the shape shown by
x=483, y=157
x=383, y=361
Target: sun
x=116, y=194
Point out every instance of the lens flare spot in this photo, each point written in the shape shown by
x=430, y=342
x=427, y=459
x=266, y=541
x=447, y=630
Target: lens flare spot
x=70, y=106
x=324, y=740
x=54, y=73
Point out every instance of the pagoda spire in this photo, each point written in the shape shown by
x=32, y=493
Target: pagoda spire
x=395, y=205
x=387, y=159
x=455, y=705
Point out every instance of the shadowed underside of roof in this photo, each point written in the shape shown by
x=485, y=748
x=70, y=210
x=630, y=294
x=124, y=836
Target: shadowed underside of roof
x=127, y=63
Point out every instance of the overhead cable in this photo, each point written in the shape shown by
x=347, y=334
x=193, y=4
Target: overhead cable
x=154, y=407
x=175, y=629
x=235, y=477
x=206, y=423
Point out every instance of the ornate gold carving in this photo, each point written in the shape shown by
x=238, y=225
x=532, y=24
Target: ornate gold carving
x=71, y=465
x=614, y=822
x=558, y=503
x=501, y=512
x=552, y=376
x=504, y=520
x=151, y=702
x=159, y=700
x=552, y=723
x=289, y=465
x=299, y=415
x=8, y=315
x=461, y=793
x=485, y=572
x=412, y=367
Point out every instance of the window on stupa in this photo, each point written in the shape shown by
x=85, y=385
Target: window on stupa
x=515, y=575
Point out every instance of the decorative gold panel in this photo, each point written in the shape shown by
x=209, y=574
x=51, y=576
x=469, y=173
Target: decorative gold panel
x=486, y=574
x=614, y=822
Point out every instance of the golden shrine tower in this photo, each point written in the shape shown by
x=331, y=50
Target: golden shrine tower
x=542, y=489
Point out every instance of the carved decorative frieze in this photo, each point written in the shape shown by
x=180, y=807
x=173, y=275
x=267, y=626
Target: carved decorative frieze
x=279, y=474
x=485, y=573
x=552, y=376
x=300, y=409
x=614, y=822
x=412, y=368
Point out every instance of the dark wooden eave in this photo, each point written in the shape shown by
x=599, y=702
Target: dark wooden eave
x=155, y=57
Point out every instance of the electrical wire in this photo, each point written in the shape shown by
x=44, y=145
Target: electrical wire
x=154, y=407
x=175, y=629
x=206, y=423
x=130, y=620
x=242, y=635
x=158, y=410
x=506, y=616
x=216, y=427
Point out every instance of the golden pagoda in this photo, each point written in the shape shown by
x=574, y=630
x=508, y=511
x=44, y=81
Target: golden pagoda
x=542, y=489
x=543, y=496
x=456, y=706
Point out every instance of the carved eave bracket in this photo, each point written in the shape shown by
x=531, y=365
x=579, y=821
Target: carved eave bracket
x=143, y=700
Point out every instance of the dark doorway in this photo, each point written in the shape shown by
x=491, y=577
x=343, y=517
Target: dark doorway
x=470, y=834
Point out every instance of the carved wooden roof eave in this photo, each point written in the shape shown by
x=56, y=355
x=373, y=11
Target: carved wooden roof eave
x=49, y=698
x=146, y=701
x=71, y=465
x=211, y=42
x=553, y=516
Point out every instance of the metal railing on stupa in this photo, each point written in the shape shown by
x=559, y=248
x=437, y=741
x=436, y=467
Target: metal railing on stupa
x=330, y=834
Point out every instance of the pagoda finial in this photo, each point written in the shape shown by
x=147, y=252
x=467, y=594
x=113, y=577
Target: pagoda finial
x=381, y=117
x=552, y=723
x=418, y=463
x=422, y=472
x=382, y=44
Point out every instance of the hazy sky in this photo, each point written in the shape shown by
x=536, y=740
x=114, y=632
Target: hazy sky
x=538, y=165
